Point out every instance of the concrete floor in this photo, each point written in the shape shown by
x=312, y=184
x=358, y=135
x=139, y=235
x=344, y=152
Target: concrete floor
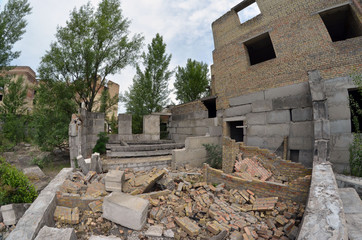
x=352, y=206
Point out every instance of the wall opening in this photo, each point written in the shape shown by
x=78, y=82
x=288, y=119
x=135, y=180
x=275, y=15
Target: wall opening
x=1, y=97
x=294, y=155
x=247, y=12
x=210, y=104
x=236, y=129
x=341, y=23
x=260, y=49
x=355, y=104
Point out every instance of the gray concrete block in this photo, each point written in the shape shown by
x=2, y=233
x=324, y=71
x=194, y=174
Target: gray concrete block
x=238, y=111
x=320, y=110
x=262, y=106
x=277, y=129
x=301, y=129
x=340, y=156
x=197, y=142
x=306, y=158
x=256, y=118
x=316, y=85
x=290, y=102
x=272, y=143
x=151, y=124
x=34, y=173
x=47, y=233
x=289, y=90
x=341, y=141
x=340, y=126
x=114, y=180
x=339, y=112
x=279, y=116
x=12, y=213
x=124, y=124
x=255, y=130
x=247, y=98
x=254, y=141
x=302, y=114
x=321, y=151
x=184, y=130
x=199, y=131
x=301, y=143
x=194, y=157
x=126, y=210
x=337, y=96
x=105, y=238
x=321, y=129
x=215, y=131
x=341, y=83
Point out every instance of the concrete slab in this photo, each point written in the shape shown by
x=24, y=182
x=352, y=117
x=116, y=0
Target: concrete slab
x=302, y=114
x=237, y=111
x=126, y=210
x=262, y=106
x=34, y=173
x=47, y=233
x=294, y=101
x=12, y=213
x=352, y=206
x=289, y=90
x=256, y=118
x=340, y=126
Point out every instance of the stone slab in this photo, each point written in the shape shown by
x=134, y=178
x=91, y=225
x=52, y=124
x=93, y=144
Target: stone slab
x=237, y=111
x=126, y=210
x=11, y=213
x=279, y=116
x=302, y=114
x=352, y=206
x=47, y=233
x=262, y=106
x=34, y=173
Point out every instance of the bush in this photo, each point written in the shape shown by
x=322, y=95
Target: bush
x=14, y=185
x=355, y=157
x=100, y=146
x=40, y=162
x=214, y=155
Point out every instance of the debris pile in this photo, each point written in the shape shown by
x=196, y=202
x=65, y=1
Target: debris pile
x=173, y=204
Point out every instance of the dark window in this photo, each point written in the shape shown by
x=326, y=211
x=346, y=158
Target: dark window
x=260, y=49
x=355, y=104
x=1, y=97
x=341, y=23
x=236, y=130
x=210, y=104
x=294, y=155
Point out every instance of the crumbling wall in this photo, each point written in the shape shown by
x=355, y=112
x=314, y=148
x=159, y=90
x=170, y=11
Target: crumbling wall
x=191, y=120
x=296, y=191
x=83, y=133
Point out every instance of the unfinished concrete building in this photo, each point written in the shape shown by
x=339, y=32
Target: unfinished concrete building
x=284, y=74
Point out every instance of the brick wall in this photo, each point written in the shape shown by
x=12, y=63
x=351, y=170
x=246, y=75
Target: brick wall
x=296, y=191
x=300, y=40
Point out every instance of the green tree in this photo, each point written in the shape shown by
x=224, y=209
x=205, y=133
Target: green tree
x=12, y=27
x=92, y=45
x=12, y=109
x=53, y=107
x=149, y=91
x=108, y=103
x=192, y=81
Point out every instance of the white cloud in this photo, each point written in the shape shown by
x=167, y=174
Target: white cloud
x=184, y=24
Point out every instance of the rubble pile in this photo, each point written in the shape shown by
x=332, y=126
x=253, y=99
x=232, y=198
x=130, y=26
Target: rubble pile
x=179, y=204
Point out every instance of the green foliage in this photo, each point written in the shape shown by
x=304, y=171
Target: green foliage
x=149, y=91
x=40, y=162
x=108, y=103
x=14, y=185
x=192, y=81
x=12, y=27
x=92, y=45
x=114, y=124
x=12, y=108
x=54, y=105
x=214, y=155
x=355, y=149
x=100, y=146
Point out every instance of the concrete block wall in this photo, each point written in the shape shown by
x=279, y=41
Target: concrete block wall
x=272, y=114
x=191, y=119
x=194, y=152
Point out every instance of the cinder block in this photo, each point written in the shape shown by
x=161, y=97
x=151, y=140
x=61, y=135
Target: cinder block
x=247, y=98
x=126, y=210
x=256, y=118
x=114, y=180
x=238, y=111
x=301, y=129
x=277, y=129
x=339, y=112
x=47, y=233
x=340, y=126
x=320, y=110
x=262, y=106
x=302, y=114
x=279, y=116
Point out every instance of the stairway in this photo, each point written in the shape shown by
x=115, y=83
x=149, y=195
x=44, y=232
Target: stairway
x=140, y=155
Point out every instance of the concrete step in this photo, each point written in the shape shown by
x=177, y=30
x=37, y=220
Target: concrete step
x=138, y=148
x=352, y=206
x=140, y=142
x=111, y=154
x=143, y=163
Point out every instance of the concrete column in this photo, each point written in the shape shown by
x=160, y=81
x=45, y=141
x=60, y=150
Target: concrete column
x=151, y=126
x=124, y=124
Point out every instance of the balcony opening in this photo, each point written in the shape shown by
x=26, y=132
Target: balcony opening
x=260, y=49
x=341, y=23
x=236, y=129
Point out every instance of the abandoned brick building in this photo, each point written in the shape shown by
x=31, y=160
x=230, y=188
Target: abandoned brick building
x=284, y=74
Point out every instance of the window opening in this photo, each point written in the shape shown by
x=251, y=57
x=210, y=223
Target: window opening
x=236, y=130
x=355, y=103
x=248, y=12
x=294, y=155
x=341, y=23
x=260, y=49
x=210, y=104
x=1, y=97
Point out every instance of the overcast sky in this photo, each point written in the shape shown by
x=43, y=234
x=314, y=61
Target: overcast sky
x=184, y=24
